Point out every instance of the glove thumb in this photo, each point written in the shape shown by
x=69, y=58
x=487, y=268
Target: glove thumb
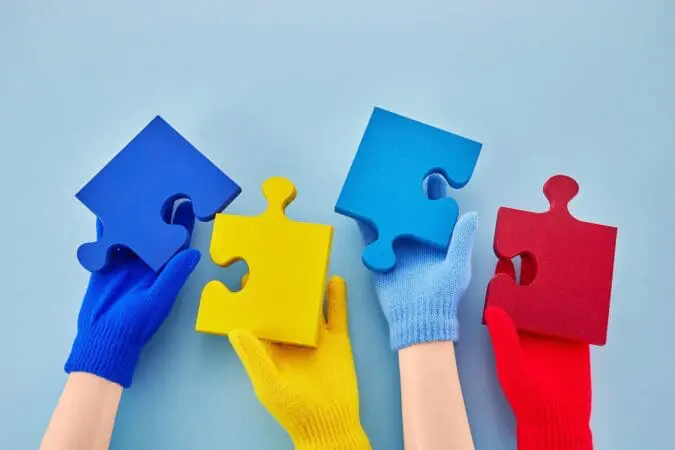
x=257, y=362
x=509, y=357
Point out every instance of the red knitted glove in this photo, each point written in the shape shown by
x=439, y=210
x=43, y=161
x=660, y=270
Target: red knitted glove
x=548, y=384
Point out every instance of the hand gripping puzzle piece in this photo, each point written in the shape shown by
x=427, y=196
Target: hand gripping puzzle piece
x=384, y=184
x=288, y=264
x=131, y=193
x=567, y=268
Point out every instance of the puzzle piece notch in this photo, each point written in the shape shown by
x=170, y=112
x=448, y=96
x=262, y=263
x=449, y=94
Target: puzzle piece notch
x=566, y=273
x=288, y=265
x=130, y=193
x=528, y=268
x=396, y=153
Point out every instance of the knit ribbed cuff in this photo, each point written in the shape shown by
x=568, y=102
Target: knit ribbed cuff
x=337, y=429
x=550, y=437
x=355, y=440
x=104, y=352
x=422, y=323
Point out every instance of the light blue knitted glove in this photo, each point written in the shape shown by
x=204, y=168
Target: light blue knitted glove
x=421, y=294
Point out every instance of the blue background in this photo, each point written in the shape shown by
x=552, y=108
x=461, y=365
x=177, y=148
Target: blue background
x=286, y=88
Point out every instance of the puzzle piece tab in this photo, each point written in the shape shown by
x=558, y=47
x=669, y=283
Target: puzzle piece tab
x=131, y=192
x=567, y=267
x=288, y=264
x=384, y=184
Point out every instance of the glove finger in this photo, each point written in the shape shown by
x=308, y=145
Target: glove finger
x=461, y=243
x=506, y=344
x=167, y=211
x=436, y=186
x=505, y=266
x=185, y=216
x=117, y=256
x=368, y=232
x=171, y=279
x=337, y=304
x=256, y=360
x=528, y=269
x=99, y=228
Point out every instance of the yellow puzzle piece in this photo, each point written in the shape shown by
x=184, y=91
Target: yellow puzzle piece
x=288, y=265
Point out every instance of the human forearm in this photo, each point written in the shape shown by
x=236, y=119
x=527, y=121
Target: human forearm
x=420, y=298
x=311, y=392
x=123, y=307
x=84, y=417
x=434, y=416
x=547, y=382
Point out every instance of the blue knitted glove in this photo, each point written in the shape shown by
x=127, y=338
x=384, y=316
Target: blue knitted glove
x=420, y=295
x=124, y=306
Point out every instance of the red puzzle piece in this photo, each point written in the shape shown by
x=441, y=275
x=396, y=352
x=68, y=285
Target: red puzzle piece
x=567, y=266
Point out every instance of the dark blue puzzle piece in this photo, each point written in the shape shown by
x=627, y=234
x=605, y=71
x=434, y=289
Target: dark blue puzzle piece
x=384, y=185
x=130, y=194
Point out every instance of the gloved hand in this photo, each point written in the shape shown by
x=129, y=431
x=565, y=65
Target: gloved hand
x=123, y=307
x=548, y=384
x=311, y=392
x=421, y=294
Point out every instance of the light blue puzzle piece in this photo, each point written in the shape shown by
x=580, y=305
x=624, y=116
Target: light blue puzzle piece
x=384, y=184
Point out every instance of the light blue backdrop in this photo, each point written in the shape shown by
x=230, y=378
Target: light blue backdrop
x=286, y=88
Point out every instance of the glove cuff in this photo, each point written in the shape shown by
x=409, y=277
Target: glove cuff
x=105, y=352
x=554, y=437
x=338, y=429
x=423, y=322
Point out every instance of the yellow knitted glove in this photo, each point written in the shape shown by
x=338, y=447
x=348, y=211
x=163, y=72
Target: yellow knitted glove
x=312, y=393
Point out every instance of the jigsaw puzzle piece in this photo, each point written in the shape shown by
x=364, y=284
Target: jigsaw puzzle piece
x=566, y=271
x=384, y=184
x=288, y=264
x=132, y=191
x=97, y=254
